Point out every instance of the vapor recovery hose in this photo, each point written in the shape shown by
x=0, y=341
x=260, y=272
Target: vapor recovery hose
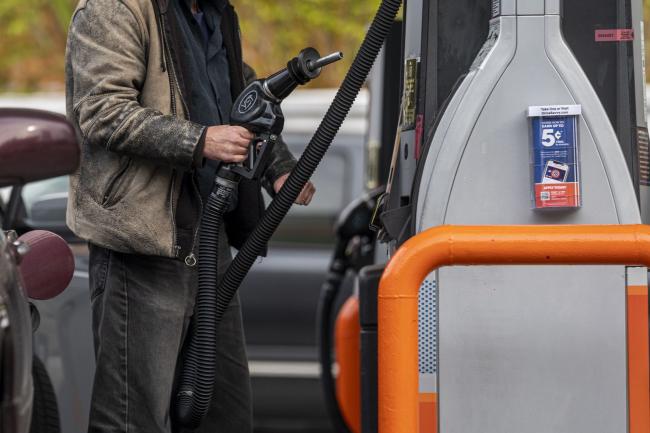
x=193, y=405
x=197, y=375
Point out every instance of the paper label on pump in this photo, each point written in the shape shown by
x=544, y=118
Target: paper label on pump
x=554, y=110
x=555, y=166
x=614, y=35
x=410, y=93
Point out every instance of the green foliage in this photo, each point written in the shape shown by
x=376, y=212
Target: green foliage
x=33, y=33
x=276, y=30
x=33, y=41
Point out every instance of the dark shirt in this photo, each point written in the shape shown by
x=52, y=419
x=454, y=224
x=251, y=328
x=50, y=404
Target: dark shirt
x=209, y=100
x=206, y=60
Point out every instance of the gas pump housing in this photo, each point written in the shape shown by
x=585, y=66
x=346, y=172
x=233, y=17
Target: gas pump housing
x=495, y=337
x=445, y=36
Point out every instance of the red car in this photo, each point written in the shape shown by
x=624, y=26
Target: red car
x=34, y=145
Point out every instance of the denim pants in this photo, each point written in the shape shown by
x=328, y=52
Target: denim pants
x=141, y=308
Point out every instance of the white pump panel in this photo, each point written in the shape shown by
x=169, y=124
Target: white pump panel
x=530, y=7
x=526, y=349
x=552, y=7
x=508, y=7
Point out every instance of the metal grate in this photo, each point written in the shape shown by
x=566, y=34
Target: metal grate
x=428, y=327
x=643, y=144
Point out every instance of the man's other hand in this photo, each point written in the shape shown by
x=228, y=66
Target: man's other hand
x=227, y=143
x=306, y=194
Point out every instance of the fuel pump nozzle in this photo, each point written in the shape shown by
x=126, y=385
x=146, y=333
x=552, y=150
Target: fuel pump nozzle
x=300, y=70
x=258, y=107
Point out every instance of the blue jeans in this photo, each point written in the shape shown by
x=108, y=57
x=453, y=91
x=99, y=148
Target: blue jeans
x=141, y=311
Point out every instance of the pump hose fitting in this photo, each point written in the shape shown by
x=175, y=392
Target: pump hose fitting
x=191, y=407
x=197, y=375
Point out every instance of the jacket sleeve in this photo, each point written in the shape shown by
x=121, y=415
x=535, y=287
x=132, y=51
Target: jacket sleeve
x=282, y=160
x=107, y=48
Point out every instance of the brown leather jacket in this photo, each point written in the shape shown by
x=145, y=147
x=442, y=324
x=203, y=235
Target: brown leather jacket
x=125, y=96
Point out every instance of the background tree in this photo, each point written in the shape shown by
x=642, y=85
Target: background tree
x=32, y=42
x=276, y=30
x=33, y=34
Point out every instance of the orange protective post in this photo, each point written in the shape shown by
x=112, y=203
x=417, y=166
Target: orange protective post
x=638, y=359
x=428, y=408
x=347, y=344
x=474, y=245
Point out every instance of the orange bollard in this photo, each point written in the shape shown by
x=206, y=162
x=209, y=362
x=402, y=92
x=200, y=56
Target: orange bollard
x=347, y=342
x=499, y=245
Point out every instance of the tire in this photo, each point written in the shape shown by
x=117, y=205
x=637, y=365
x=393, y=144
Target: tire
x=45, y=412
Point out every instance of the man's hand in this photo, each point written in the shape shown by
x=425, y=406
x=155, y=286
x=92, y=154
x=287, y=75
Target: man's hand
x=306, y=194
x=227, y=143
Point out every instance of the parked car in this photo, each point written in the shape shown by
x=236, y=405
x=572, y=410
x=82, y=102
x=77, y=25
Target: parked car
x=279, y=297
x=34, y=145
x=16, y=389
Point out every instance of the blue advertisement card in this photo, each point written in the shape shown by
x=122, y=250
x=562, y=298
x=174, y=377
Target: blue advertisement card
x=555, y=167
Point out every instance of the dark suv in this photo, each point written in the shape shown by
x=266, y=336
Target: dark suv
x=279, y=297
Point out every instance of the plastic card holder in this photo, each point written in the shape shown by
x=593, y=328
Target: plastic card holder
x=555, y=166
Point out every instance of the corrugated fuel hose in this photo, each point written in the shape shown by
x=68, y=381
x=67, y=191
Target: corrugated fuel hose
x=197, y=375
x=193, y=400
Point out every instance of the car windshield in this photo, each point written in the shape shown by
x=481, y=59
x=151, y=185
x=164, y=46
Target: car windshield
x=44, y=190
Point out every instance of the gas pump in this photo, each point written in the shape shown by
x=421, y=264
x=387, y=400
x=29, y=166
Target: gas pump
x=509, y=331
x=441, y=43
x=534, y=117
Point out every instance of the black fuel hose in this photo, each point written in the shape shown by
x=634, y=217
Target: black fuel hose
x=312, y=155
x=197, y=374
x=192, y=407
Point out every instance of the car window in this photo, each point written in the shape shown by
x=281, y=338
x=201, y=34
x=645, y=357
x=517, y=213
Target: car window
x=43, y=190
x=4, y=194
x=329, y=181
x=313, y=224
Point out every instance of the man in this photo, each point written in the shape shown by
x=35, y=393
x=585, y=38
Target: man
x=150, y=85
